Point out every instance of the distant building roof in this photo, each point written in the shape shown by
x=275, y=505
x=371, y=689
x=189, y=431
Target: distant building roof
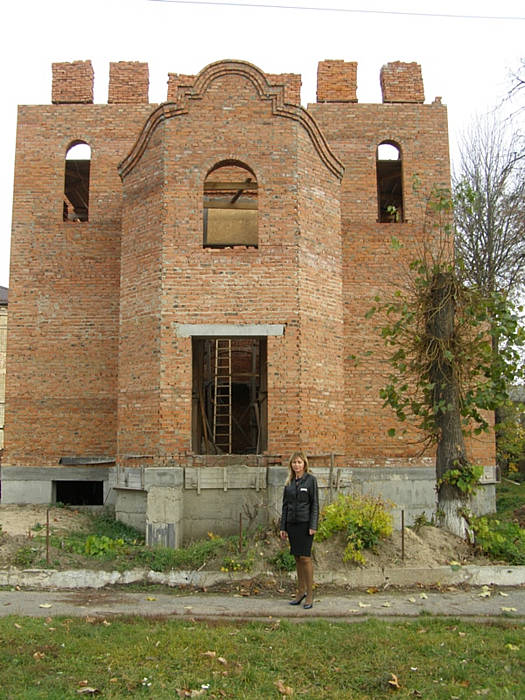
x=4, y=291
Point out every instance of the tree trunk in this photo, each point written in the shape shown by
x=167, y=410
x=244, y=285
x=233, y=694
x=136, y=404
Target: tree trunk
x=451, y=449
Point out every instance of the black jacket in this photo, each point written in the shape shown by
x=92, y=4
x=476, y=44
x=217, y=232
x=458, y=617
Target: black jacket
x=301, y=502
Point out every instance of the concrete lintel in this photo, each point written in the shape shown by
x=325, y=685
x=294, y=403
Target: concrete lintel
x=188, y=330
x=58, y=473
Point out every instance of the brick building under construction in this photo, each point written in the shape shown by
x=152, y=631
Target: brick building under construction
x=189, y=284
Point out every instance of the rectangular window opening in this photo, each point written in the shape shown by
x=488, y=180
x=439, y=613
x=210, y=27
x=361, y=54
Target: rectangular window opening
x=79, y=493
x=229, y=396
x=230, y=211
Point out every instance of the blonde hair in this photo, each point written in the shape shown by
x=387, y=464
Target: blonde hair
x=291, y=473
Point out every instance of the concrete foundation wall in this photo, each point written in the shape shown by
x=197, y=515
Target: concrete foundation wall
x=173, y=506
x=36, y=484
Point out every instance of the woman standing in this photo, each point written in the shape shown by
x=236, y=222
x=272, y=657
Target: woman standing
x=299, y=518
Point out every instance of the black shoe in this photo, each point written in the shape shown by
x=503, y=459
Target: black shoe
x=298, y=602
x=308, y=606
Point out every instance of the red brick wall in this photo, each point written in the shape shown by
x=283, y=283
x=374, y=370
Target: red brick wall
x=128, y=82
x=336, y=81
x=240, y=285
x=72, y=82
x=370, y=265
x=95, y=365
x=402, y=82
x=64, y=302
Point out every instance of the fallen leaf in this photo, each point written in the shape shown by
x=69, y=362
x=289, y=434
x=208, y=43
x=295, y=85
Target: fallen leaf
x=151, y=597
x=393, y=682
x=372, y=590
x=18, y=627
x=386, y=605
x=504, y=609
x=282, y=688
x=364, y=605
x=512, y=647
x=222, y=660
x=211, y=654
x=45, y=605
x=423, y=596
x=88, y=691
x=38, y=655
x=411, y=600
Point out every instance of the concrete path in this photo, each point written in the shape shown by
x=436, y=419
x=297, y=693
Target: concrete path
x=480, y=603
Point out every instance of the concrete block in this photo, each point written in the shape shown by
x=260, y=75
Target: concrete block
x=27, y=491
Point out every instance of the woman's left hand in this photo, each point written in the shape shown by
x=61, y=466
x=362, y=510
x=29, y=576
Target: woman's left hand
x=312, y=532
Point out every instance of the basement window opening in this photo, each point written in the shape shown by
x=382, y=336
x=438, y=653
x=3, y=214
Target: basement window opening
x=79, y=493
x=76, y=182
x=229, y=414
x=389, y=183
x=230, y=206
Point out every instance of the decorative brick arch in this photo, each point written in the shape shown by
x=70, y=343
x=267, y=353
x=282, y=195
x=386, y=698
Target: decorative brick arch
x=275, y=94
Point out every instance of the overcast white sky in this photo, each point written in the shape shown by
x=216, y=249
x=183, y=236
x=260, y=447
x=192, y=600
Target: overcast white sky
x=464, y=60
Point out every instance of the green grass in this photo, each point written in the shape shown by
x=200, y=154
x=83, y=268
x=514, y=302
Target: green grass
x=55, y=658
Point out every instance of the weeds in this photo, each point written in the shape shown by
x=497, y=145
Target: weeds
x=283, y=561
x=362, y=519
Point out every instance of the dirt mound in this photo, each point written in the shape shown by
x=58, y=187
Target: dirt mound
x=426, y=547
x=20, y=520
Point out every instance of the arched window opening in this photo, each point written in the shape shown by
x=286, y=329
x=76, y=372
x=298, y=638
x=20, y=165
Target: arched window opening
x=389, y=183
x=76, y=182
x=230, y=206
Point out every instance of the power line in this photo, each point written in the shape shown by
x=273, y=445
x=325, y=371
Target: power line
x=341, y=9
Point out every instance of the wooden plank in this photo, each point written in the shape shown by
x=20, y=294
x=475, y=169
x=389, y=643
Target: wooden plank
x=230, y=186
x=227, y=204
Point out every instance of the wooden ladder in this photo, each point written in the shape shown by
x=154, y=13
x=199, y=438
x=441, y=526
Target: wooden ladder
x=222, y=407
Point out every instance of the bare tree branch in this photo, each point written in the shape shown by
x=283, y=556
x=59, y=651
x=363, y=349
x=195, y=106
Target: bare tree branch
x=489, y=197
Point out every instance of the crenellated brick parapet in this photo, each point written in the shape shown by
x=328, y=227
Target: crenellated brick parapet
x=402, y=82
x=128, y=83
x=337, y=81
x=72, y=83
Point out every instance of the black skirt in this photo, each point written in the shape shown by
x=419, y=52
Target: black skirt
x=300, y=540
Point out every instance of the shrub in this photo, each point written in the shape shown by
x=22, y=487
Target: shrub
x=499, y=539
x=100, y=545
x=362, y=519
x=283, y=561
